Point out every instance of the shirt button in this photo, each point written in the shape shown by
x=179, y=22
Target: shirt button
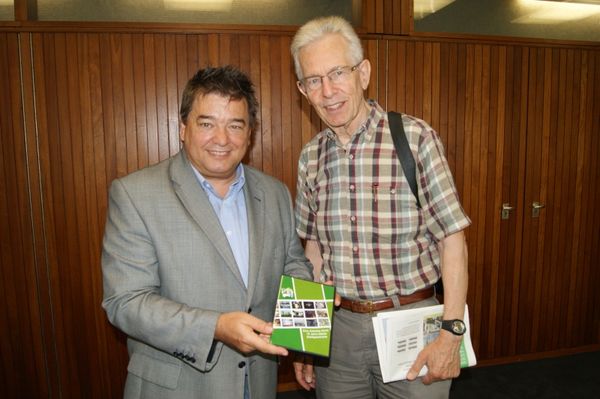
x=351, y=156
x=352, y=187
x=355, y=249
x=353, y=218
x=242, y=364
x=393, y=191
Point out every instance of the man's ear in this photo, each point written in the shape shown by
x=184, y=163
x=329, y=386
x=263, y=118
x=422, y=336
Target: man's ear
x=181, y=131
x=300, y=88
x=365, y=74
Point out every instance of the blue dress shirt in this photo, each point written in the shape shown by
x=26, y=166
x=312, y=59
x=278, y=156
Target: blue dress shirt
x=231, y=211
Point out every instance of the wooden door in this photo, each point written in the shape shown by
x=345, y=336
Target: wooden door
x=503, y=260
x=555, y=311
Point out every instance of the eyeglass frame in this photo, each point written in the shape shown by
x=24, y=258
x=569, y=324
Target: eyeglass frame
x=303, y=87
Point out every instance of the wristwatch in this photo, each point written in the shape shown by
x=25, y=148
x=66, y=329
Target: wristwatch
x=456, y=326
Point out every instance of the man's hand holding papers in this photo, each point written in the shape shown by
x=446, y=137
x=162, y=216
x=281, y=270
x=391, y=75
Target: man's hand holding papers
x=408, y=339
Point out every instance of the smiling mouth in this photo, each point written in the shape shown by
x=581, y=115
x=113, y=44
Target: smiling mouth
x=218, y=153
x=333, y=107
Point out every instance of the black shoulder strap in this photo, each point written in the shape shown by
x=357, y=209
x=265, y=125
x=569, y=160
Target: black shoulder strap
x=403, y=151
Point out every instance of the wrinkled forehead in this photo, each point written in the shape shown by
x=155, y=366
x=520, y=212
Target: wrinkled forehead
x=324, y=55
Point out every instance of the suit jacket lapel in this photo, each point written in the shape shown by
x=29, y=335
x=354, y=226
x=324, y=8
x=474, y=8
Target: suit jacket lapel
x=256, y=232
x=196, y=201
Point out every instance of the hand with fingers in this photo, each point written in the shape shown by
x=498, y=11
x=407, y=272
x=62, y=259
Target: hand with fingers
x=246, y=333
x=441, y=357
x=304, y=371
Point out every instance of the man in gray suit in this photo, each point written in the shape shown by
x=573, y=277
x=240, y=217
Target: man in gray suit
x=193, y=251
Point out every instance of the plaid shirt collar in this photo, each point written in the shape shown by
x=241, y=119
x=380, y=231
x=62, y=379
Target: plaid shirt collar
x=364, y=132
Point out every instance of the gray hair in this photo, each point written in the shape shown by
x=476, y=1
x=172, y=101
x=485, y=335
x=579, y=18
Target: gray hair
x=317, y=28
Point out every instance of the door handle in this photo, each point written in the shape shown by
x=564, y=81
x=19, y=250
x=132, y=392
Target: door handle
x=505, y=212
x=535, y=209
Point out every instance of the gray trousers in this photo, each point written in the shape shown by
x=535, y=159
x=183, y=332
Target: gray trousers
x=353, y=372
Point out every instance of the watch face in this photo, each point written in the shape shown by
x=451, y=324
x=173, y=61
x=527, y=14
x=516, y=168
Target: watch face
x=458, y=327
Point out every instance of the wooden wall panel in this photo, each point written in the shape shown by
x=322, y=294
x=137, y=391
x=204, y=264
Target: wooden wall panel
x=392, y=17
x=23, y=354
x=519, y=123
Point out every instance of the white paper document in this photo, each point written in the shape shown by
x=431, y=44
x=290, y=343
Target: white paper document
x=402, y=334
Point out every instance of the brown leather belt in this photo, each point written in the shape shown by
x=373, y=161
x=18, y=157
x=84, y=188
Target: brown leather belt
x=387, y=303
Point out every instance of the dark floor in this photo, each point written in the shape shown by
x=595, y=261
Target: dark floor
x=575, y=376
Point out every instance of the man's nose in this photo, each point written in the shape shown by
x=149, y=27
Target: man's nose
x=221, y=136
x=327, y=87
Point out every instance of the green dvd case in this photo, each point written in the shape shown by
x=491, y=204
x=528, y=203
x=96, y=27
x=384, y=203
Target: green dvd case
x=303, y=316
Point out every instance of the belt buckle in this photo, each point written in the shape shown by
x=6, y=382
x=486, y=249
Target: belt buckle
x=369, y=306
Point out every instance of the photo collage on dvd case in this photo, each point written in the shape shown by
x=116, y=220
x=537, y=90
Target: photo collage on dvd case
x=301, y=313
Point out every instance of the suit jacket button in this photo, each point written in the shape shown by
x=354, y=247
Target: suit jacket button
x=249, y=310
x=242, y=364
x=193, y=359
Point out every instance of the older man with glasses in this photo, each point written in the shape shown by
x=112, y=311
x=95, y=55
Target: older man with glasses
x=381, y=245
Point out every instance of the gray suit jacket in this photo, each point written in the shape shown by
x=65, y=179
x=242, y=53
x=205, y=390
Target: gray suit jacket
x=169, y=273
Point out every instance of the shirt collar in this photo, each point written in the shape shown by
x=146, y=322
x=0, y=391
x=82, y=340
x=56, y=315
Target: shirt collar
x=234, y=188
x=373, y=119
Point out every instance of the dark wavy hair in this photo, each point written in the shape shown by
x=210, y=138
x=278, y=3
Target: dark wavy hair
x=225, y=81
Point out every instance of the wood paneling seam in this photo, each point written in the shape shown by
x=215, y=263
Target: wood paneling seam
x=387, y=63
x=30, y=202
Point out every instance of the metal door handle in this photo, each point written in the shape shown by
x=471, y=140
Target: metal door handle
x=506, y=208
x=535, y=211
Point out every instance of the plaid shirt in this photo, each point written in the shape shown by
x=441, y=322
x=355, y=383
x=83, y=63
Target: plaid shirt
x=355, y=201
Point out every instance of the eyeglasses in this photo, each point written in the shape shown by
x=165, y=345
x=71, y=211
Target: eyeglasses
x=336, y=76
